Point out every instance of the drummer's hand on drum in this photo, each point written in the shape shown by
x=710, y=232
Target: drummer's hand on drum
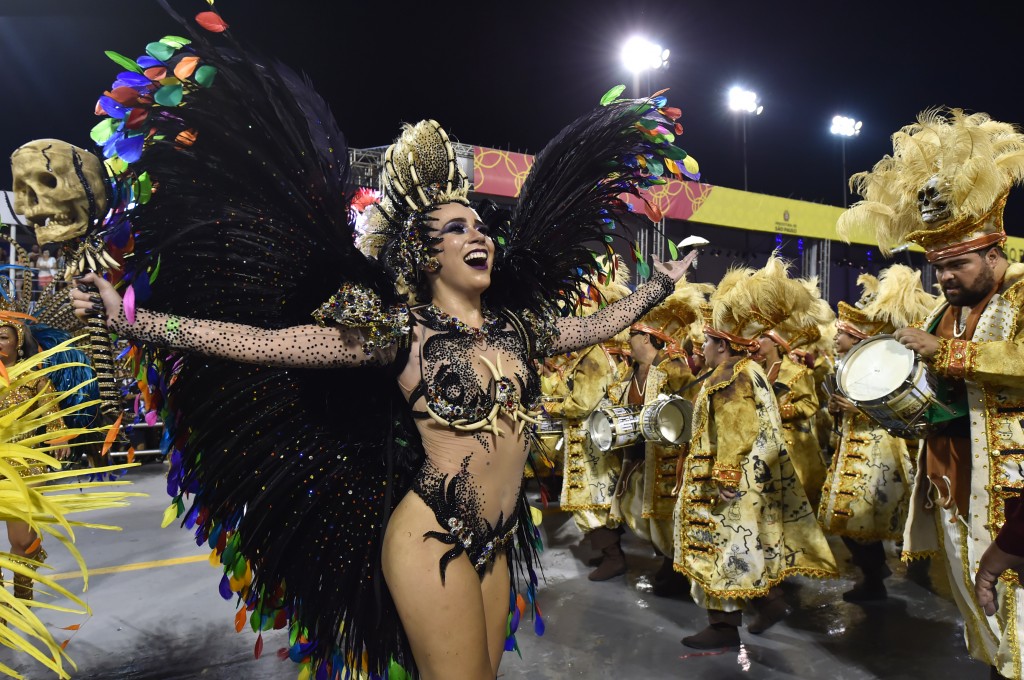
x=924, y=344
x=675, y=269
x=728, y=493
x=838, y=404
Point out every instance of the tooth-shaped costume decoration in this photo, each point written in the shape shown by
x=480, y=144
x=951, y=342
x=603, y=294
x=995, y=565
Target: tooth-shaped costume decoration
x=944, y=188
x=867, y=491
x=795, y=386
x=644, y=499
x=737, y=550
x=291, y=474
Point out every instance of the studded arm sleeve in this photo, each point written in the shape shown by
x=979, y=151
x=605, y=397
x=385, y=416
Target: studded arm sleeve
x=308, y=346
x=578, y=332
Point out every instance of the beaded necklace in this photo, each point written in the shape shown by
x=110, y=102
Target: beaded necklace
x=442, y=321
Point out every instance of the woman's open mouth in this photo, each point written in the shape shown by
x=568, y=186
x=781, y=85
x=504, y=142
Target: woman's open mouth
x=477, y=259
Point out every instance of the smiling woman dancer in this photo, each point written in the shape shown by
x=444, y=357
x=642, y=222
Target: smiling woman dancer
x=408, y=463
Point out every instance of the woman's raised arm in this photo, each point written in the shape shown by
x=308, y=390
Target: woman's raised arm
x=308, y=346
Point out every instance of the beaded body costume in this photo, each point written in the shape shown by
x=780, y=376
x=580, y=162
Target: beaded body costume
x=293, y=442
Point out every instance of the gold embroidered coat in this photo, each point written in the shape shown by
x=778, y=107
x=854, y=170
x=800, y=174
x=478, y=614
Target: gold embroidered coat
x=739, y=549
x=798, y=402
x=589, y=477
x=645, y=498
x=992, y=363
x=867, y=488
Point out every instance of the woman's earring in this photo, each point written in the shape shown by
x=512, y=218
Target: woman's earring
x=21, y=352
x=432, y=266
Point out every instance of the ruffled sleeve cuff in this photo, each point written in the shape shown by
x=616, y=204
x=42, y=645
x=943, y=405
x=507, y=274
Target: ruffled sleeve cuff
x=356, y=306
x=955, y=358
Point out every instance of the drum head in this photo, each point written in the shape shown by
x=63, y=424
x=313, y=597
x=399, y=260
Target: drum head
x=875, y=368
x=600, y=428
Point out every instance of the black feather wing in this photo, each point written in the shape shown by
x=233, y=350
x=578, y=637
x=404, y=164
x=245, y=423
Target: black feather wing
x=291, y=474
x=571, y=202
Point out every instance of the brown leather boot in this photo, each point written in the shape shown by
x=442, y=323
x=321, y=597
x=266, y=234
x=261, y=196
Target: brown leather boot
x=770, y=610
x=614, y=560
x=723, y=632
x=23, y=584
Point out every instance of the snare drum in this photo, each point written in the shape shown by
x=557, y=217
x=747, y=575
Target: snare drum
x=550, y=436
x=889, y=383
x=666, y=421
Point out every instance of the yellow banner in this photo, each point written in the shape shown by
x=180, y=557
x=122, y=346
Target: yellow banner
x=801, y=219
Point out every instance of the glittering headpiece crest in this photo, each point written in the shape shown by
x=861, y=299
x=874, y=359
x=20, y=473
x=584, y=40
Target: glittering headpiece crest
x=421, y=172
x=895, y=300
x=943, y=187
x=748, y=303
x=803, y=329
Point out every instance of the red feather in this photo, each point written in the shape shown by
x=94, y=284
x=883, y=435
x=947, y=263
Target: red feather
x=212, y=22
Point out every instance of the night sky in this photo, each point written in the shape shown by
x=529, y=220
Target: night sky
x=509, y=75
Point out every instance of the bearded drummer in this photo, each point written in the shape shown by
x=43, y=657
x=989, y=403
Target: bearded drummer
x=742, y=521
x=644, y=496
x=867, y=489
x=948, y=196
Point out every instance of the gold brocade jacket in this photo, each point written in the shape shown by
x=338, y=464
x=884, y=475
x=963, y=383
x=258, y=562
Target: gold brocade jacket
x=588, y=476
x=992, y=364
x=798, y=403
x=546, y=452
x=868, y=484
x=823, y=371
x=739, y=549
x=659, y=461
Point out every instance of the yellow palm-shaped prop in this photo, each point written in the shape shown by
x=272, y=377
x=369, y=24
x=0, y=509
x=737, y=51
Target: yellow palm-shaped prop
x=33, y=489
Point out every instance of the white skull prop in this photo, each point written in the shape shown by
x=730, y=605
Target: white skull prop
x=59, y=188
x=932, y=203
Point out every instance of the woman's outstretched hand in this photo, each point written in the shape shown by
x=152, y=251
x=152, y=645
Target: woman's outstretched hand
x=675, y=269
x=100, y=299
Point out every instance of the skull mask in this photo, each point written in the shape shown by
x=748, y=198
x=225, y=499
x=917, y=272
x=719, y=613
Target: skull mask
x=59, y=188
x=932, y=204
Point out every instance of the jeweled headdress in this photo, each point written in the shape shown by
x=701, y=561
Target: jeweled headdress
x=943, y=187
x=421, y=172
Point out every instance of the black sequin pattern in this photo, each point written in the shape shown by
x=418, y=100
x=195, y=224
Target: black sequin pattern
x=456, y=507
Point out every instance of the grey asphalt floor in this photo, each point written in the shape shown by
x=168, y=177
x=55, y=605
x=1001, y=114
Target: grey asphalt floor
x=166, y=621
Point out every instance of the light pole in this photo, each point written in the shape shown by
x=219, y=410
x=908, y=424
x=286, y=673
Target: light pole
x=640, y=55
x=843, y=127
x=744, y=102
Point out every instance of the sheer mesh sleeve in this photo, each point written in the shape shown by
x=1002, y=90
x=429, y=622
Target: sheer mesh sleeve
x=308, y=346
x=576, y=332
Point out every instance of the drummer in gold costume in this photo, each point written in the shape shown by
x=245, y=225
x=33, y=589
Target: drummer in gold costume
x=644, y=497
x=547, y=448
x=944, y=188
x=589, y=477
x=867, y=491
x=742, y=519
x=793, y=382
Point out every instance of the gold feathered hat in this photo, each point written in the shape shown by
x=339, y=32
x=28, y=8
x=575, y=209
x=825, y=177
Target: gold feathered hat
x=944, y=186
x=748, y=303
x=421, y=172
x=671, y=319
x=802, y=329
x=896, y=299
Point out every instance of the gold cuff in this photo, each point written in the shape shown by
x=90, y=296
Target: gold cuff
x=726, y=475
